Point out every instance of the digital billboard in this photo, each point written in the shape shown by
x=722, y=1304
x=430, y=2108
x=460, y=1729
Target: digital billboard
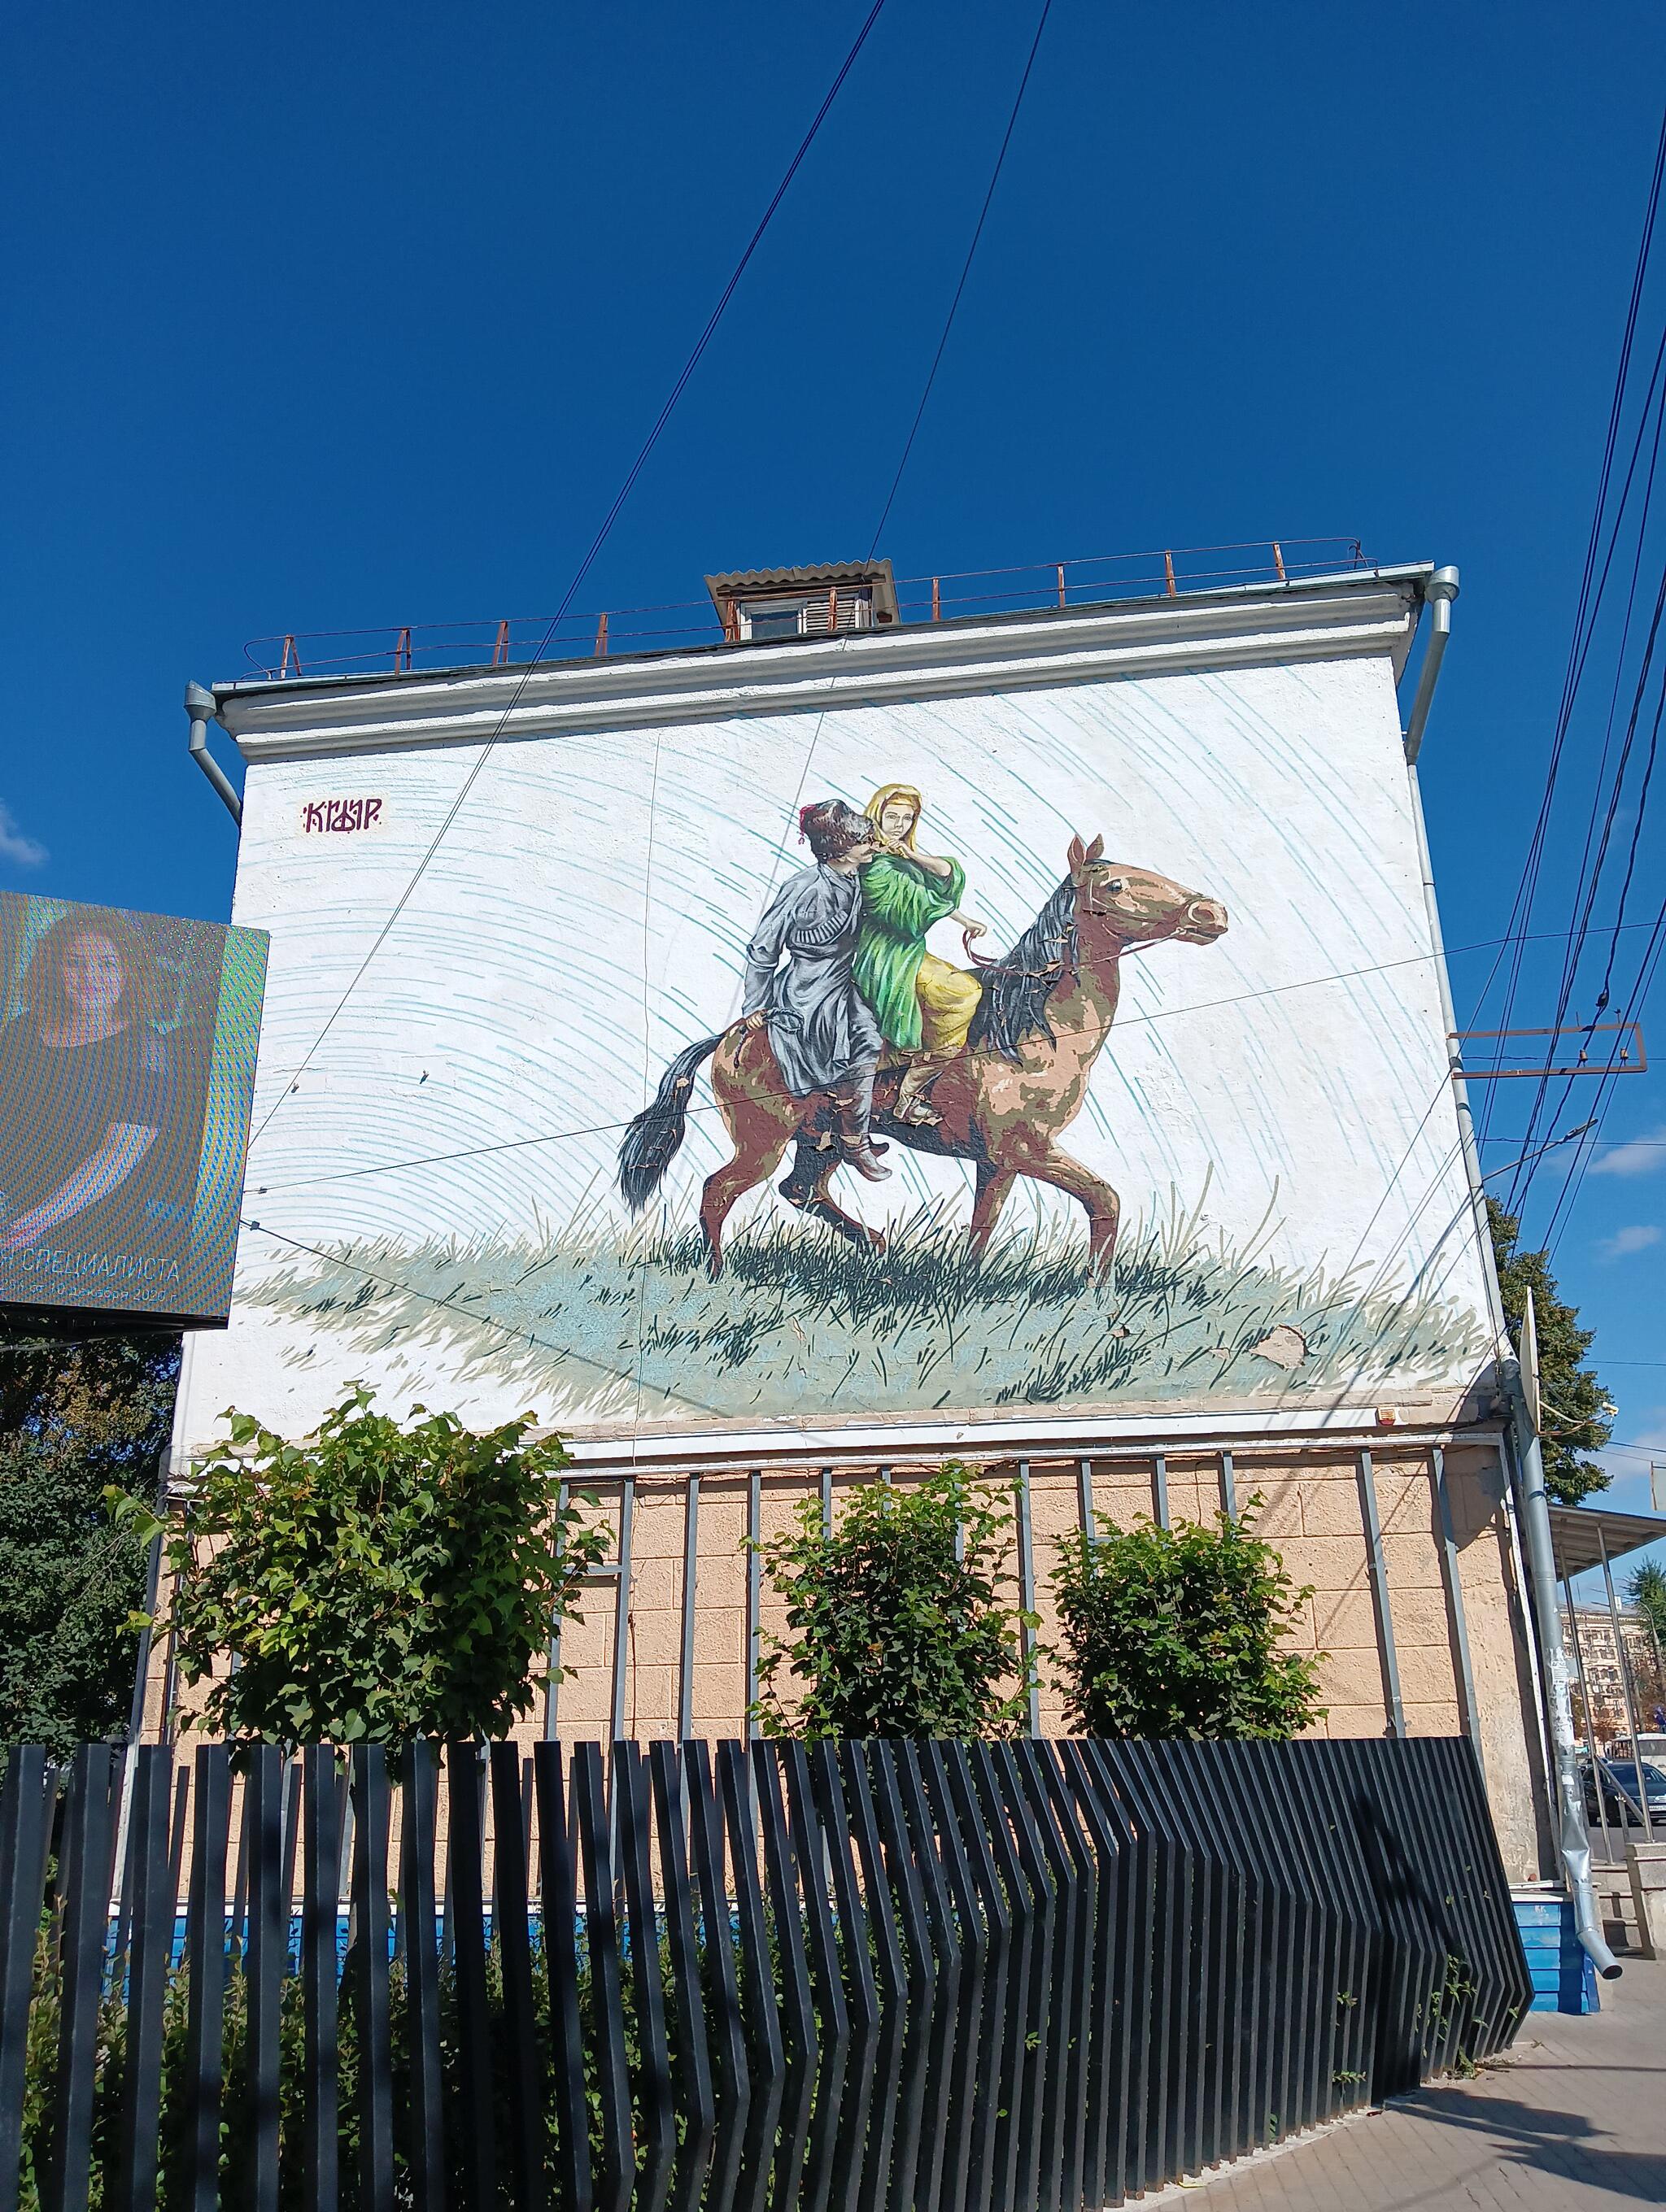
x=127, y=1059
x=953, y=1063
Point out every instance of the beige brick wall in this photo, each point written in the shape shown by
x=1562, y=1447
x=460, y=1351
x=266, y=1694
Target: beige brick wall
x=1311, y=1511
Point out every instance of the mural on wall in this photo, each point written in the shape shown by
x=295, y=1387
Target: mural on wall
x=1079, y=1049
x=986, y=1068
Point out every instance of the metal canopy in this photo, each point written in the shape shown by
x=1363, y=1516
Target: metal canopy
x=1573, y=1531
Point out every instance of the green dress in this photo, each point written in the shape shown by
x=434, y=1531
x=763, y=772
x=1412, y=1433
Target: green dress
x=900, y=902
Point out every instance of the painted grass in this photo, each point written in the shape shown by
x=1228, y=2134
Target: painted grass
x=802, y=1323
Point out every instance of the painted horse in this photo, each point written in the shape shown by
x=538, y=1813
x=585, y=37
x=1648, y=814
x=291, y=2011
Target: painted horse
x=1046, y=1012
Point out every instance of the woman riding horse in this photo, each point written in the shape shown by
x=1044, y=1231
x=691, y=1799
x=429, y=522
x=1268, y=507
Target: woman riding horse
x=923, y=1005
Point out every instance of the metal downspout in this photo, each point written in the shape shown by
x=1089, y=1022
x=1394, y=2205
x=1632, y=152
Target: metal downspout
x=1440, y=590
x=199, y=705
x=1534, y=1514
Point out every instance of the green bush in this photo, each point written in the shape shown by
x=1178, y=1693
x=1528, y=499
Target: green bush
x=374, y=1585
x=897, y=1620
x=1176, y=1632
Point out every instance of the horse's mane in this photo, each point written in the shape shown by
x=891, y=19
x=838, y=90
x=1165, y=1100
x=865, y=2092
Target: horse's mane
x=1016, y=989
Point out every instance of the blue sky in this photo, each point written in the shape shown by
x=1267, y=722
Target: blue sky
x=354, y=316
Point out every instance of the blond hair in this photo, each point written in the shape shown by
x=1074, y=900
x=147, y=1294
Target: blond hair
x=886, y=795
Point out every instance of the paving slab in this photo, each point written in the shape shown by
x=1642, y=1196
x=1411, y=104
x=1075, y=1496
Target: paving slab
x=1571, y=2119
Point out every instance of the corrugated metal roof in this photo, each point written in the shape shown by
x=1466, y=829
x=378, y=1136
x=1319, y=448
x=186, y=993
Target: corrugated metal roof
x=1573, y=1534
x=741, y=583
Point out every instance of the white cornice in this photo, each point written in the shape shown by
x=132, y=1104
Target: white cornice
x=1326, y=619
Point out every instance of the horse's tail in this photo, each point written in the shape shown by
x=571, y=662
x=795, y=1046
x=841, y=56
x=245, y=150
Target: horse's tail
x=650, y=1144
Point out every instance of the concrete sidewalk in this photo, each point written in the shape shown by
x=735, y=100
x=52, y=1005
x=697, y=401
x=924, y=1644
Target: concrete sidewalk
x=1571, y=2120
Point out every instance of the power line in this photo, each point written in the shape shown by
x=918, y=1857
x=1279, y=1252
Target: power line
x=966, y=270
x=1587, y=607
x=1517, y=1195
x=1579, y=1165
x=596, y=544
x=1124, y=1023
x=810, y=749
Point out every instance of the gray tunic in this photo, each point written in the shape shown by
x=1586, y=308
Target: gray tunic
x=820, y=1027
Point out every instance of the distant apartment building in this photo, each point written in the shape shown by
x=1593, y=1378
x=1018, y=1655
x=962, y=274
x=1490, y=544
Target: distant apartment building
x=1599, y=1687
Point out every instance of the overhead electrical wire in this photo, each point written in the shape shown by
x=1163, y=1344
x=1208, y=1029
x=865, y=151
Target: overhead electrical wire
x=1124, y=1023
x=594, y=549
x=1580, y=1165
x=965, y=271
x=1588, y=608
x=810, y=749
x=1592, y=884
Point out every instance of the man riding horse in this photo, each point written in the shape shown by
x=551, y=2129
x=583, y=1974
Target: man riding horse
x=798, y=1070
x=799, y=985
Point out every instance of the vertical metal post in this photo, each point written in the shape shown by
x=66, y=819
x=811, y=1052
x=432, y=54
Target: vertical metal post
x=1160, y=1488
x=622, y=1605
x=937, y=599
x=1229, y=1493
x=1590, y=1727
x=552, y=1685
x=601, y=638
x=754, y=1588
x=1379, y=1592
x=1061, y=598
x=827, y=1501
x=690, y=1568
x=1084, y=1492
x=1278, y=562
x=1027, y=1589
x=1450, y=1576
x=1626, y=1690
x=1168, y=571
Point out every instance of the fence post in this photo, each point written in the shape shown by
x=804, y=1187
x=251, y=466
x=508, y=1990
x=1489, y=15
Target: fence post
x=83, y=1885
x=267, y=1884
x=466, y=1911
x=320, y=1878
x=558, y=1885
x=370, y=1826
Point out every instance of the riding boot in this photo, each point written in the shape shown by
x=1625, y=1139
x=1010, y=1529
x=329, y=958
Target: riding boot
x=852, y=1104
x=912, y=1105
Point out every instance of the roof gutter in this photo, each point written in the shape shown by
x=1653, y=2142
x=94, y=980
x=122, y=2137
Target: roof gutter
x=199, y=705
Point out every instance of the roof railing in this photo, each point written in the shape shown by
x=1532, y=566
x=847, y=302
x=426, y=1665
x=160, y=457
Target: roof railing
x=514, y=640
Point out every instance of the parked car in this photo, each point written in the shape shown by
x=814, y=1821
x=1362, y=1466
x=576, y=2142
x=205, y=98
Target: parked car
x=1623, y=1795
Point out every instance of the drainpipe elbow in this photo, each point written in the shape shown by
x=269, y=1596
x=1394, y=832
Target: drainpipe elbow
x=199, y=706
x=1440, y=590
x=1589, y=1929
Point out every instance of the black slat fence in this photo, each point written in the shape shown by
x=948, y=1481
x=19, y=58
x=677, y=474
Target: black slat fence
x=998, y=1976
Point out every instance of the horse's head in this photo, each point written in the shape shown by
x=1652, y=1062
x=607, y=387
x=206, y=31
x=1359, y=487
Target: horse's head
x=1136, y=906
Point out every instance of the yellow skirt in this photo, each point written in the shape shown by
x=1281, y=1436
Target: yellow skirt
x=948, y=998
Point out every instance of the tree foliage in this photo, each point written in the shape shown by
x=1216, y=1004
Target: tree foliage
x=1645, y=1588
x=1178, y=1632
x=1577, y=1415
x=74, y=1418
x=899, y=1625
x=375, y=1584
